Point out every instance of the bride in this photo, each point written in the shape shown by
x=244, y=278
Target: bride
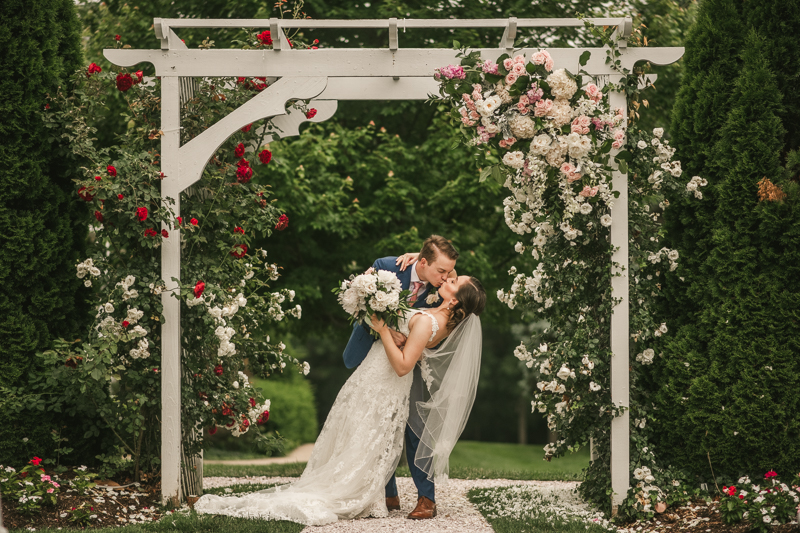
x=360, y=444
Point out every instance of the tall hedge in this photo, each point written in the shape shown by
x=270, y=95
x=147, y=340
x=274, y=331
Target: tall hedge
x=39, y=239
x=730, y=373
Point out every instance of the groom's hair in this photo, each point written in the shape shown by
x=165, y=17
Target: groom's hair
x=435, y=245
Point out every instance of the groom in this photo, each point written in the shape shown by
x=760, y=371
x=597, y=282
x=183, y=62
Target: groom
x=435, y=262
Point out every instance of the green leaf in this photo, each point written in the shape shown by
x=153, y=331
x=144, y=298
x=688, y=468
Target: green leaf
x=585, y=58
x=456, y=45
x=497, y=175
x=485, y=172
x=624, y=155
x=97, y=374
x=623, y=167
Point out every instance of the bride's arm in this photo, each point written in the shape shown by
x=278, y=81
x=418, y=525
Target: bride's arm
x=403, y=361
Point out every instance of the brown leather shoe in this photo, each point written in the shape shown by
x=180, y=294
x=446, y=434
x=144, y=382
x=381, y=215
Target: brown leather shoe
x=425, y=509
x=393, y=503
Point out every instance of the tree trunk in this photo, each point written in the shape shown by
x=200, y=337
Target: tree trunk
x=522, y=421
x=191, y=473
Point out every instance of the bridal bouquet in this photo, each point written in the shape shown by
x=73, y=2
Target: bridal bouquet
x=375, y=292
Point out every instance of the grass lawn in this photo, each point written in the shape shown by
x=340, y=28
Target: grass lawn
x=469, y=460
x=196, y=523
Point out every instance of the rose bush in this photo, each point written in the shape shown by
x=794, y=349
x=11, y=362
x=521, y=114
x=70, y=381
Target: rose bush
x=111, y=375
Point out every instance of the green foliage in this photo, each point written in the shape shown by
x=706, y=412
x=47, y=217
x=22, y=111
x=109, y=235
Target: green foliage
x=41, y=235
x=726, y=401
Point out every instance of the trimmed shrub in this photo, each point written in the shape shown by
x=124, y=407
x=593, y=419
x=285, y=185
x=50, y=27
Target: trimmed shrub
x=40, y=240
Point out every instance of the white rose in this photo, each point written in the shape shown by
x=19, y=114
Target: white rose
x=658, y=132
x=605, y=220
x=235, y=384
x=108, y=308
x=564, y=372
x=641, y=145
x=594, y=387
x=540, y=145
x=306, y=368
x=586, y=208
x=514, y=159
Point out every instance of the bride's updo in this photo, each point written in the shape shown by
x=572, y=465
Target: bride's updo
x=471, y=300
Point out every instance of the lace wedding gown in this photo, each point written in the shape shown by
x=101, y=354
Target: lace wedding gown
x=355, y=455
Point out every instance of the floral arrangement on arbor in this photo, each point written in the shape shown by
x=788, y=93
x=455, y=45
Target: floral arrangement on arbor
x=548, y=135
x=112, y=374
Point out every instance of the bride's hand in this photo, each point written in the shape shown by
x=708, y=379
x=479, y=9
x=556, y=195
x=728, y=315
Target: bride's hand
x=406, y=260
x=377, y=324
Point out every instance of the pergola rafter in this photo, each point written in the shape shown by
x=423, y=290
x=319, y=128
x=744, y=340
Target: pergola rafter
x=325, y=77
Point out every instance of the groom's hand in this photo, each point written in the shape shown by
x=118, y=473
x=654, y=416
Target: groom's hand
x=398, y=338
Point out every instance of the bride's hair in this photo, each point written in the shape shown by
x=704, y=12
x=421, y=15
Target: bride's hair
x=471, y=300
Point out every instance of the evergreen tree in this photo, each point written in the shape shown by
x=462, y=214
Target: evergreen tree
x=40, y=240
x=729, y=393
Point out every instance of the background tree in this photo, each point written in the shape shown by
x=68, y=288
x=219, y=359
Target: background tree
x=729, y=373
x=40, y=238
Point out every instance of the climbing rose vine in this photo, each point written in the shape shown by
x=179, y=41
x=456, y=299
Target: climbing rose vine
x=548, y=136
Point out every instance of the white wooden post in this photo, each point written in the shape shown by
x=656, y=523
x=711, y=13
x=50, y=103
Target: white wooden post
x=171, y=268
x=620, y=338
x=349, y=74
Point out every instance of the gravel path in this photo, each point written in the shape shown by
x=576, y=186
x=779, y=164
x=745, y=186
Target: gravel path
x=455, y=512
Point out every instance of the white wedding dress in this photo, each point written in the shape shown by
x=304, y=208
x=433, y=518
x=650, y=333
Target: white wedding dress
x=356, y=452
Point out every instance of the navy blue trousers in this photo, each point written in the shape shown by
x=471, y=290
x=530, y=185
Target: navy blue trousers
x=424, y=486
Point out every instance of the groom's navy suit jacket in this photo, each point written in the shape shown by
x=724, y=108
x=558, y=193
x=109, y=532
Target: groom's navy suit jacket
x=361, y=339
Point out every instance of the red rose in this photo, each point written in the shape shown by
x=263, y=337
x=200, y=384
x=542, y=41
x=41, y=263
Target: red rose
x=35, y=461
x=99, y=216
x=97, y=178
x=259, y=86
x=155, y=370
x=125, y=323
x=124, y=82
x=283, y=223
x=245, y=422
x=164, y=234
x=238, y=229
x=226, y=411
x=239, y=151
x=770, y=474
x=193, y=222
x=179, y=219
x=47, y=106
x=212, y=430
x=25, y=474
x=120, y=197
x=244, y=173
x=141, y=212
x=263, y=418
x=252, y=402
x=240, y=80
x=111, y=171
x=93, y=68
x=247, y=128
x=150, y=232
x=218, y=370
x=83, y=192
x=311, y=113
x=265, y=156
x=116, y=37
x=239, y=251
x=265, y=38
x=741, y=496
x=139, y=76
x=199, y=287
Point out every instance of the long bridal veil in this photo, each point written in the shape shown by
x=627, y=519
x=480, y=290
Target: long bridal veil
x=442, y=400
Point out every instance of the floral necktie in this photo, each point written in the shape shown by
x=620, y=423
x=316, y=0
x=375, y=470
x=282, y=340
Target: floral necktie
x=415, y=287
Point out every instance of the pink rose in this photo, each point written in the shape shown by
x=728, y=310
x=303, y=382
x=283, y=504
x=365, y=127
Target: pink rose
x=474, y=115
x=489, y=67
x=594, y=92
x=581, y=125
x=518, y=69
x=543, y=107
x=50, y=491
x=540, y=57
x=476, y=92
x=535, y=94
x=511, y=78
x=519, y=59
x=522, y=108
x=567, y=168
x=616, y=144
x=508, y=63
x=588, y=192
x=549, y=64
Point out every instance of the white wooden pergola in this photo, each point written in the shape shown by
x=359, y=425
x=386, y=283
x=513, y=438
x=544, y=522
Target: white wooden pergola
x=326, y=76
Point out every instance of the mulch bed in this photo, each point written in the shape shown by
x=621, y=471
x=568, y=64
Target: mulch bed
x=698, y=517
x=113, y=504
